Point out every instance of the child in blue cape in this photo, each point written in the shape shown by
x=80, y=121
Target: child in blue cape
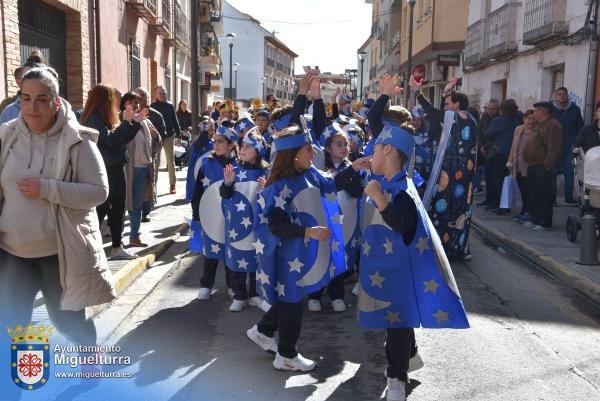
x=299, y=245
x=405, y=277
x=239, y=199
x=206, y=206
x=349, y=191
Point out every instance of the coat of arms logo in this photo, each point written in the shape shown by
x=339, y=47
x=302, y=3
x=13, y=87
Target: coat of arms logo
x=30, y=355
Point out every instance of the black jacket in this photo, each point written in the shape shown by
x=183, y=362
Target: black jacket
x=158, y=121
x=588, y=137
x=168, y=112
x=113, y=144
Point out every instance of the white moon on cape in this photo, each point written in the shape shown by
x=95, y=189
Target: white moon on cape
x=367, y=303
x=309, y=201
x=249, y=190
x=211, y=214
x=199, y=163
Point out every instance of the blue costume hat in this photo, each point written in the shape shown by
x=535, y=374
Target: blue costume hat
x=417, y=112
x=242, y=124
x=347, y=98
x=227, y=133
x=369, y=103
x=263, y=113
x=352, y=135
x=399, y=138
x=257, y=144
x=342, y=119
x=330, y=131
x=292, y=141
x=282, y=122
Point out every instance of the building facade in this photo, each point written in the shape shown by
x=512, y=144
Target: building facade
x=123, y=43
x=266, y=65
x=525, y=50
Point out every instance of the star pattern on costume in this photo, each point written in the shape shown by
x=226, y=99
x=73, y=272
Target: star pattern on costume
x=306, y=241
x=377, y=279
x=229, y=252
x=280, y=288
x=241, y=206
x=441, y=316
x=263, y=278
x=335, y=246
x=242, y=175
x=263, y=219
x=279, y=202
x=205, y=181
x=422, y=245
x=295, y=265
x=261, y=201
x=385, y=134
x=353, y=242
x=233, y=234
x=215, y=248
x=242, y=264
x=389, y=246
x=259, y=246
x=246, y=222
x=431, y=286
x=392, y=317
x=337, y=218
x=332, y=271
x=285, y=192
x=366, y=249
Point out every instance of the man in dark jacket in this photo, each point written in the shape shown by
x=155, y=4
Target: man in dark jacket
x=589, y=136
x=500, y=135
x=542, y=152
x=172, y=129
x=569, y=116
x=484, y=165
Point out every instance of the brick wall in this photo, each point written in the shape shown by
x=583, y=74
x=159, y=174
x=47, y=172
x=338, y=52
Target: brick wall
x=12, y=51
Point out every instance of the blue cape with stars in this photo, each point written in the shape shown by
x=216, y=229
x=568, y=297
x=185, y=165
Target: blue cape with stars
x=290, y=269
x=211, y=231
x=239, y=221
x=196, y=154
x=406, y=285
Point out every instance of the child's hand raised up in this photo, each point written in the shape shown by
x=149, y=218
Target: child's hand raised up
x=228, y=175
x=261, y=182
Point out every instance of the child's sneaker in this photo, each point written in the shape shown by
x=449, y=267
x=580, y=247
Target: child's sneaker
x=230, y=292
x=238, y=305
x=297, y=364
x=267, y=343
x=396, y=390
x=338, y=305
x=204, y=293
x=314, y=305
x=355, y=290
x=255, y=301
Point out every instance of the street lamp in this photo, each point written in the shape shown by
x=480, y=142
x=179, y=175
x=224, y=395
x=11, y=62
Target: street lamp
x=346, y=78
x=236, y=66
x=354, y=73
x=361, y=56
x=230, y=40
x=263, y=79
x=411, y=4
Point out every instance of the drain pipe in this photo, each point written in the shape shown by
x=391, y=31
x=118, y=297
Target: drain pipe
x=98, y=52
x=592, y=27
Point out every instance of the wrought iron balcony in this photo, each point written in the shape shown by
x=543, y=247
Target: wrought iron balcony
x=501, y=30
x=474, y=43
x=543, y=19
x=396, y=39
x=144, y=8
x=162, y=24
x=182, y=27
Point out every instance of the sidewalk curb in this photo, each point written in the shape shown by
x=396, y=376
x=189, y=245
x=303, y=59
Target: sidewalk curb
x=132, y=269
x=551, y=265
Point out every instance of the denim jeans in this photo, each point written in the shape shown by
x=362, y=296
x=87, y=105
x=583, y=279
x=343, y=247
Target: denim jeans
x=140, y=180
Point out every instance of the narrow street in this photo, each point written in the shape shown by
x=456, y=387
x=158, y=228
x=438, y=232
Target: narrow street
x=531, y=339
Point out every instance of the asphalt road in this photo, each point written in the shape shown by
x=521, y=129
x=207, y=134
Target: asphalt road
x=531, y=339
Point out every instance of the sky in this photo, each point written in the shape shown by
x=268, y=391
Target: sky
x=326, y=33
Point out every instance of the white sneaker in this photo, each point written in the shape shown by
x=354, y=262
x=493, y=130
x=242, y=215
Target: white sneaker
x=314, y=305
x=338, y=305
x=230, y=292
x=355, y=290
x=204, y=293
x=540, y=228
x=267, y=343
x=237, y=305
x=415, y=363
x=121, y=254
x=265, y=306
x=297, y=364
x=396, y=390
x=528, y=224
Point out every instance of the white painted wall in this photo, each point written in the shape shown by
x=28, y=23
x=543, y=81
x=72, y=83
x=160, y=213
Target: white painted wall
x=248, y=50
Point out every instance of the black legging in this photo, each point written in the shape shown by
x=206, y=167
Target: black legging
x=287, y=319
x=114, y=206
x=497, y=174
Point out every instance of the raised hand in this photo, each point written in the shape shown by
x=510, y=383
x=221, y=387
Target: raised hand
x=389, y=85
x=451, y=84
x=315, y=88
x=304, y=83
x=362, y=163
x=228, y=174
x=414, y=85
x=128, y=113
x=141, y=115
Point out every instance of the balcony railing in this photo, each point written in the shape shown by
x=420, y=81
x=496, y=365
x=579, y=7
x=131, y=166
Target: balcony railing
x=182, y=26
x=543, y=19
x=474, y=43
x=162, y=24
x=209, y=49
x=500, y=31
x=144, y=8
x=167, y=7
x=396, y=39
